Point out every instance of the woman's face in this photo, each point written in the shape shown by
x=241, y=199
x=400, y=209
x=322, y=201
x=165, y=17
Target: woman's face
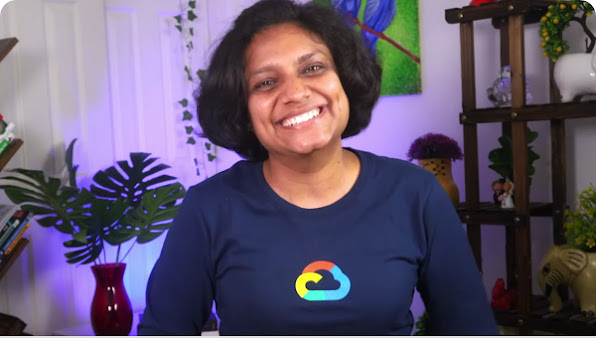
x=295, y=98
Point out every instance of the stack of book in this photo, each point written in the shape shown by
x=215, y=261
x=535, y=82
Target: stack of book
x=13, y=224
x=6, y=134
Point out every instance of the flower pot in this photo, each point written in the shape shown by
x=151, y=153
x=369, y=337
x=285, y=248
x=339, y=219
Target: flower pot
x=575, y=74
x=111, y=311
x=441, y=168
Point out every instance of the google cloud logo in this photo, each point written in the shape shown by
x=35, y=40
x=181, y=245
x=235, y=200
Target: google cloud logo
x=309, y=274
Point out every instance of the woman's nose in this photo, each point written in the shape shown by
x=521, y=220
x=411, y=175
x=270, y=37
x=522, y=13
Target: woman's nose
x=295, y=89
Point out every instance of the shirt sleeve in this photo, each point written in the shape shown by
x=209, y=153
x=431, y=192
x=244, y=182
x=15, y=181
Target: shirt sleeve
x=450, y=284
x=180, y=288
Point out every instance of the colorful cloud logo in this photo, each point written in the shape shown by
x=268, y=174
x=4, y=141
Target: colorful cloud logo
x=309, y=274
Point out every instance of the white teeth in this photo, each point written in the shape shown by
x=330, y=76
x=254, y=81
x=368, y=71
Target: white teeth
x=301, y=118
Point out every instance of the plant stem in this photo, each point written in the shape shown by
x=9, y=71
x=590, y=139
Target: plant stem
x=384, y=37
x=127, y=252
x=118, y=253
x=104, y=253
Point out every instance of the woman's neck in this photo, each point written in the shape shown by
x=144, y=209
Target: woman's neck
x=313, y=181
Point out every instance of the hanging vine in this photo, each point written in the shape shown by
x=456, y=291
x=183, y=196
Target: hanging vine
x=207, y=150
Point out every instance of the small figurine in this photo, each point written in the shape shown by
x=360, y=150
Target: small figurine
x=507, y=201
x=498, y=190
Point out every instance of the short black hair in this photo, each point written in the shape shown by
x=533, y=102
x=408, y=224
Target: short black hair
x=222, y=107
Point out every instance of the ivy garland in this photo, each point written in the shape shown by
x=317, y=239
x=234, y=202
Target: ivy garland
x=557, y=19
x=184, y=26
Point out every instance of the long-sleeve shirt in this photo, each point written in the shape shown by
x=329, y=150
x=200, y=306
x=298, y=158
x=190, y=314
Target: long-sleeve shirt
x=349, y=268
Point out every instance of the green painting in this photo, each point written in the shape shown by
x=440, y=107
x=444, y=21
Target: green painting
x=390, y=29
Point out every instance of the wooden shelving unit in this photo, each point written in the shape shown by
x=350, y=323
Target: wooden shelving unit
x=510, y=16
x=6, y=46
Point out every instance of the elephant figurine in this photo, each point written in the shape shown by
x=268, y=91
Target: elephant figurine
x=566, y=265
x=575, y=74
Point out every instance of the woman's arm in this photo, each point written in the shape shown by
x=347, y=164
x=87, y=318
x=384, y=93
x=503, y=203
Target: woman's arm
x=181, y=288
x=450, y=283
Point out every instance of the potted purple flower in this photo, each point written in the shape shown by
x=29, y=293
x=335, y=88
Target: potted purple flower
x=435, y=152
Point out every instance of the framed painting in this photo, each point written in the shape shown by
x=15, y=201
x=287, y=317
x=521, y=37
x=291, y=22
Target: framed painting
x=390, y=29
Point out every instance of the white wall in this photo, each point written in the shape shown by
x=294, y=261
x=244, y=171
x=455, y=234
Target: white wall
x=49, y=294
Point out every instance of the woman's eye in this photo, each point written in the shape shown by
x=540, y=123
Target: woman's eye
x=264, y=84
x=313, y=68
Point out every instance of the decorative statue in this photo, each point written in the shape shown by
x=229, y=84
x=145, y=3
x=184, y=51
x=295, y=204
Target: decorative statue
x=498, y=190
x=566, y=265
x=507, y=196
x=500, y=92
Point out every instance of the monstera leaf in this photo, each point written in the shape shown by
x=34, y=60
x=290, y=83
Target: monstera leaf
x=97, y=227
x=154, y=215
x=126, y=202
x=129, y=182
x=54, y=204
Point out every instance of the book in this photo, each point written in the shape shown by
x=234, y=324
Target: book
x=13, y=223
x=6, y=213
x=15, y=240
x=7, y=130
x=13, y=235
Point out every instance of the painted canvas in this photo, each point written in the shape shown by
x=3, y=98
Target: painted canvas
x=390, y=29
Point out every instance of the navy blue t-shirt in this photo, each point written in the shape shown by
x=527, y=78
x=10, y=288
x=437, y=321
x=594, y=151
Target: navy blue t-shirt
x=349, y=268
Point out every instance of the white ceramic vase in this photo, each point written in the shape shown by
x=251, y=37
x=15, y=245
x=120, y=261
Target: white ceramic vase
x=575, y=74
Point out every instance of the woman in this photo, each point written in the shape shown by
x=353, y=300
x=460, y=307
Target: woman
x=308, y=237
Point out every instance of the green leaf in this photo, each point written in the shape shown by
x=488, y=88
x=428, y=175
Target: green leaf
x=191, y=15
x=179, y=28
x=191, y=140
x=72, y=169
x=187, y=116
x=178, y=18
x=201, y=74
x=189, y=129
x=183, y=102
x=211, y=157
x=187, y=70
x=80, y=236
x=207, y=145
x=192, y=4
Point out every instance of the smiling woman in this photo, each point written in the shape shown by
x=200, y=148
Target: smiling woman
x=266, y=238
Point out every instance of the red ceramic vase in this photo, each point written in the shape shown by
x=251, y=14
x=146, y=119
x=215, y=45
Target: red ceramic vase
x=111, y=312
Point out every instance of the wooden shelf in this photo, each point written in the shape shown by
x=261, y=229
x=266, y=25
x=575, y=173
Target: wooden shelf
x=10, y=151
x=9, y=260
x=531, y=9
x=5, y=46
x=542, y=112
x=568, y=321
x=491, y=214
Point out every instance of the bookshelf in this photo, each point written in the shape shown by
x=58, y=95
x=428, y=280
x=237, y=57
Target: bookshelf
x=6, y=45
x=510, y=16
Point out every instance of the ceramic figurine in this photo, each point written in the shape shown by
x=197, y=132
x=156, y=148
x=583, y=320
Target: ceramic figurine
x=507, y=201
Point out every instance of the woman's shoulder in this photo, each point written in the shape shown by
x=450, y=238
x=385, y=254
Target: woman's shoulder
x=383, y=166
x=243, y=175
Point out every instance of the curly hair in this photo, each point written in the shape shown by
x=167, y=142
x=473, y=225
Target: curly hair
x=222, y=96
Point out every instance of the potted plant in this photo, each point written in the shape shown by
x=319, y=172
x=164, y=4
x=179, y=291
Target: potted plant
x=572, y=71
x=435, y=152
x=130, y=202
x=580, y=228
x=502, y=162
x=574, y=264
